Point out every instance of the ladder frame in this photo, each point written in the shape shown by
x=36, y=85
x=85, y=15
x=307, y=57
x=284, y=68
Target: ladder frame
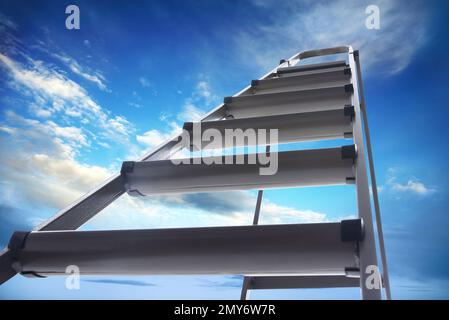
x=83, y=209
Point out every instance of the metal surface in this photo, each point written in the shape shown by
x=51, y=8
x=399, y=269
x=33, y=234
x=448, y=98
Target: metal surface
x=295, y=82
x=294, y=169
x=312, y=66
x=380, y=232
x=298, y=127
x=269, y=249
x=368, y=255
x=6, y=270
x=271, y=104
x=302, y=282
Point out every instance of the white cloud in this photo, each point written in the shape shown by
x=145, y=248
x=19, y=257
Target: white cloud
x=135, y=105
x=69, y=133
x=411, y=186
x=40, y=111
x=152, y=138
x=203, y=90
x=191, y=113
x=76, y=68
x=274, y=213
x=7, y=129
x=202, y=95
x=4, y=20
x=54, y=93
x=38, y=163
x=298, y=26
x=144, y=82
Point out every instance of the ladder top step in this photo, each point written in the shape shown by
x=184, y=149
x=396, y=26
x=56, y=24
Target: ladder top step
x=314, y=66
x=322, y=75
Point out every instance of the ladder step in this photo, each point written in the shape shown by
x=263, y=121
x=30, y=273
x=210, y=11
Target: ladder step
x=256, y=250
x=325, y=78
x=297, y=127
x=268, y=104
x=312, y=66
x=332, y=166
x=303, y=282
x=316, y=72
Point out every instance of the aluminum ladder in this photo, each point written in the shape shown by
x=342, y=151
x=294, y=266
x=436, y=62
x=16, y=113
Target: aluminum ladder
x=305, y=103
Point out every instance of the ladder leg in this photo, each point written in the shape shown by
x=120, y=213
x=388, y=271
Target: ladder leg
x=247, y=280
x=373, y=183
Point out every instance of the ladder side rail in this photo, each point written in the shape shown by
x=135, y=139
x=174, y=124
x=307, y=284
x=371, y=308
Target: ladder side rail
x=367, y=248
x=373, y=181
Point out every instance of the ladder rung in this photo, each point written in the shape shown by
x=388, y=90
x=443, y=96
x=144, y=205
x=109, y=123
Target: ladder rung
x=332, y=166
x=326, y=78
x=302, y=282
x=312, y=66
x=268, y=249
x=307, y=72
x=269, y=104
x=308, y=126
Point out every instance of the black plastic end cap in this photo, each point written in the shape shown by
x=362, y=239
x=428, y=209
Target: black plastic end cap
x=349, y=111
x=17, y=241
x=227, y=100
x=356, y=53
x=349, y=88
x=352, y=230
x=254, y=83
x=188, y=126
x=348, y=152
x=350, y=180
x=127, y=167
x=347, y=71
x=282, y=61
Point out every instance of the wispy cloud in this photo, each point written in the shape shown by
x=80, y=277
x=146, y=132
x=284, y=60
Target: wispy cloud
x=297, y=26
x=412, y=186
x=153, y=137
x=202, y=95
x=396, y=184
x=228, y=282
x=196, y=105
x=76, y=68
x=54, y=93
x=144, y=82
x=125, y=282
x=40, y=163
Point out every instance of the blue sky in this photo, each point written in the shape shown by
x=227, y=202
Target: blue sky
x=75, y=103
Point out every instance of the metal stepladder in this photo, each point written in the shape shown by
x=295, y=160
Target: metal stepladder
x=307, y=102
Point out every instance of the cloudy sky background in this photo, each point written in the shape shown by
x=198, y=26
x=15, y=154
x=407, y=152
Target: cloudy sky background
x=75, y=104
